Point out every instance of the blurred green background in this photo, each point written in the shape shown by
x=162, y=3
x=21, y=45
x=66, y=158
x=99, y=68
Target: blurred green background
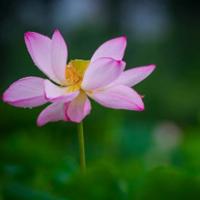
x=153, y=154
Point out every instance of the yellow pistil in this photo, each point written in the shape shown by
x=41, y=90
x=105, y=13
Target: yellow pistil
x=74, y=74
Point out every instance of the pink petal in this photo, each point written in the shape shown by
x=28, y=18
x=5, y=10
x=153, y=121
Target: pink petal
x=59, y=56
x=27, y=92
x=118, y=97
x=102, y=72
x=79, y=108
x=56, y=93
x=39, y=48
x=113, y=48
x=133, y=76
x=52, y=113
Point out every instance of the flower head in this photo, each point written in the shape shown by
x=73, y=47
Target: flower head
x=102, y=78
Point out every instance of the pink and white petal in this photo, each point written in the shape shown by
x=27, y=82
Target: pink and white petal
x=26, y=92
x=133, y=76
x=79, y=108
x=113, y=48
x=53, y=113
x=101, y=73
x=59, y=56
x=118, y=97
x=39, y=48
x=56, y=93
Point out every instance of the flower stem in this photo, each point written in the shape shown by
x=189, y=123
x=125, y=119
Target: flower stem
x=81, y=147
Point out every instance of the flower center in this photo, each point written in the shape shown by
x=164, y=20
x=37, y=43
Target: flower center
x=74, y=73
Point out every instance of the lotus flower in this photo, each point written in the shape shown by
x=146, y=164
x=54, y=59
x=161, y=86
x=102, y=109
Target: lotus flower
x=102, y=78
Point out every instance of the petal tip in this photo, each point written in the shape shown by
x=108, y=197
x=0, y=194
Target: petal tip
x=28, y=37
x=4, y=97
x=28, y=34
x=152, y=66
x=124, y=37
x=39, y=123
x=140, y=109
x=56, y=31
x=57, y=34
x=140, y=105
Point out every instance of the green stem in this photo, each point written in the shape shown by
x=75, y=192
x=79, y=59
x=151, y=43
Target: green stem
x=81, y=147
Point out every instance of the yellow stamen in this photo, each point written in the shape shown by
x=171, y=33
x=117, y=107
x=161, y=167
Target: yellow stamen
x=74, y=74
